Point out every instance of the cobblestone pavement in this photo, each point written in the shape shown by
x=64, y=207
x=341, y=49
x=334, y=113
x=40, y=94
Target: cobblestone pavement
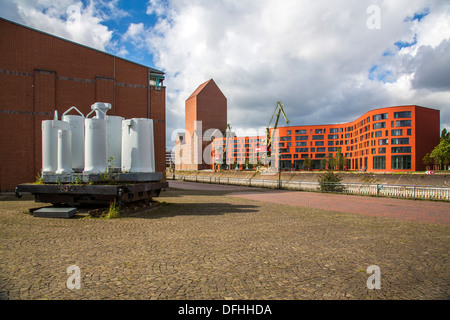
x=209, y=245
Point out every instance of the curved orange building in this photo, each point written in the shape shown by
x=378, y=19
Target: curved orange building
x=392, y=139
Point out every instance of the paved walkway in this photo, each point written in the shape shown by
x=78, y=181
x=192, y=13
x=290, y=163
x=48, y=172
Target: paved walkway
x=213, y=245
x=412, y=210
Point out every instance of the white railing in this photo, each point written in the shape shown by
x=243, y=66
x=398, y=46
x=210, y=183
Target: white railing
x=378, y=190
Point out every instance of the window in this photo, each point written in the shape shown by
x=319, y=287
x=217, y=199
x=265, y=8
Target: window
x=379, y=125
x=397, y=132
x=334, y=130
x=401, y=162
x=285, y=156
x=313, y=149
x=317, y=131
x=400, y=141
x=408, y=132
x=379, y=162
x=347, y=135
x=285, y=138
x=320, y=155
x=318, y=137
x=301, y=138
x=304, y=155
x=289, y=132
x=284, y=150
x=381, y=150
x=378, y=134
x=319, y=143
x=331, y=143
x=401, y=149
x=332, y=149
x=321, y=149
x=382, y=142
x=374, y=150
x=403, y=123
x=301, y=149
x=301, y=144
x=302, y=131
x=380, y=116
x=404, y=114
x=333, y=136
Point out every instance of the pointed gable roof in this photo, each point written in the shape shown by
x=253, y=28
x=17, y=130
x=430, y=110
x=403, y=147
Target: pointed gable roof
x=201, y=87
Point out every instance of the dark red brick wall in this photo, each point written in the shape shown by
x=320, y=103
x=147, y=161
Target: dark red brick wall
x=40, y=73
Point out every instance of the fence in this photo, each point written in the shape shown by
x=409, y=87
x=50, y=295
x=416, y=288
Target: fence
x=378, y=190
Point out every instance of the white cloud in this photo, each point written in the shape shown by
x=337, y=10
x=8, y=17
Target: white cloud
x=314, y=56
x=68, y=19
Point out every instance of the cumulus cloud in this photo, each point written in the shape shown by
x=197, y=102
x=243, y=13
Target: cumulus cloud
x=68, y=19
x=318, y=57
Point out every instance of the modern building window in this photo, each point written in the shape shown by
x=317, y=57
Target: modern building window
x=379, y=162
x=381, y=116
x=379, y=125
x=317, y=131
x=374, y=150
x=302, y=131
x=401, y=162
x=403, y=114
x=400, y=141
x=284, y=150
x=319, y=143
x=381, y=150
x=378, y=134
x=334, y=130
x=401, y=150
x=318, y=137
x=382, y=142
x=301, y=138
x=403, y=123
x=397, y=132
x=333, y=136
x=285, y=156
x=285, y=138
x=331, y=143
x=331, y=149
x=288, y=132
x=321, y=149
x=301, y=149
x=408, y=132
x=301, y=144
x=313, y=149
x=304, y=155
x=320, y=155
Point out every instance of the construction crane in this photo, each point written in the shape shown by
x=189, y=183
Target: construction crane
x=265, y=149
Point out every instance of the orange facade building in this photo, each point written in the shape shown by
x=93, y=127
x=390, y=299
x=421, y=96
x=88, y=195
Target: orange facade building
x=392, y=139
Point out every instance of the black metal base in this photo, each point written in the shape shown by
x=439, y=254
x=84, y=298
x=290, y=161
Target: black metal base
x=73, y=194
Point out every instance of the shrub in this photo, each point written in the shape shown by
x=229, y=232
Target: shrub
x=331, y=182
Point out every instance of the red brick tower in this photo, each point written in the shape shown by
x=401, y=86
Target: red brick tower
x=205, y=109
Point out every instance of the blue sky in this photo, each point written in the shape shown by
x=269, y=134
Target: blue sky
x=320, y=58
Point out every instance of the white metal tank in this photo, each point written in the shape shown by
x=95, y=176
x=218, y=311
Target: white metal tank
x=50, y=143
x=114, y=140
x=76, y=125
x=101, y=109
x=137, y=145
x=95, y=147
x=64, y=159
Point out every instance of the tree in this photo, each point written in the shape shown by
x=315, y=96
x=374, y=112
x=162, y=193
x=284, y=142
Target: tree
x=441, y=153
x=307, y=163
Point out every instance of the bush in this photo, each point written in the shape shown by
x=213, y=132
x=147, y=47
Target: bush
x=331, y=182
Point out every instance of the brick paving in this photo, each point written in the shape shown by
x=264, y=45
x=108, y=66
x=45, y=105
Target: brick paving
x=209, y=244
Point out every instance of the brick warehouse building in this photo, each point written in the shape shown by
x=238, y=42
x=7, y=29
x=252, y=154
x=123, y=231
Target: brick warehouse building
x=41, y=73
x=391, y=139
